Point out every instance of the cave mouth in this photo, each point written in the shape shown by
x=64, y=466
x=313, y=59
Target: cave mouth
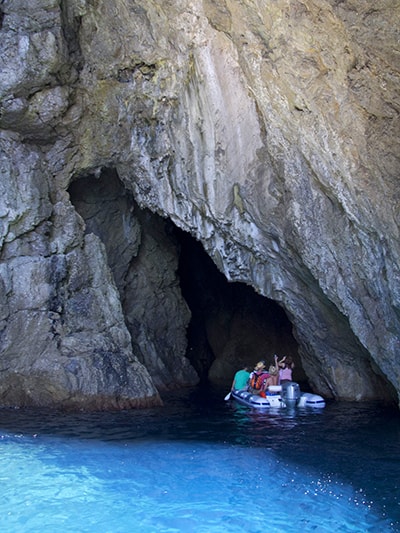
x=229, y=324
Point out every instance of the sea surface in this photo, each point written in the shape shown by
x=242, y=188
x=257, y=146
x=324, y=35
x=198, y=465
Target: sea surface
x=200, y=464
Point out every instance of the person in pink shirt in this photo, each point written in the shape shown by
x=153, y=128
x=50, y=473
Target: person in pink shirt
x=286, y=366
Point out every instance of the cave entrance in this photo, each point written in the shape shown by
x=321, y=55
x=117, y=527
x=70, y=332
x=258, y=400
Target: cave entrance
x=181, y=312
x=231, y=324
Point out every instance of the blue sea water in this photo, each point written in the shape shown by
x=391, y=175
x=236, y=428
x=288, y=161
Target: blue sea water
x=200, y=464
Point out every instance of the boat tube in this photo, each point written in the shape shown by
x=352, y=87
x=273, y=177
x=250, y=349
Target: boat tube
x=285, y=395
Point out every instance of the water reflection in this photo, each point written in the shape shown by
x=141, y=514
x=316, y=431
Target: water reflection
x=201, y=464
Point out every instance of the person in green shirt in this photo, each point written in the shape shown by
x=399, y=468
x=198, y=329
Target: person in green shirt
x=240, y=379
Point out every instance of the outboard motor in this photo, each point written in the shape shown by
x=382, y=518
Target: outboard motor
x=291, y=393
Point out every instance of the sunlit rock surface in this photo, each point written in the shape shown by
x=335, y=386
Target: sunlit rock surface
x=267, y=130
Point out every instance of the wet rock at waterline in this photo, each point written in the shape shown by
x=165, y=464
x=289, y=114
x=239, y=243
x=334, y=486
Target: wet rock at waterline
x=267, y=132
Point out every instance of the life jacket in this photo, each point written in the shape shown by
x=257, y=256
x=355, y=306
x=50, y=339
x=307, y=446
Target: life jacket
x=257, y=379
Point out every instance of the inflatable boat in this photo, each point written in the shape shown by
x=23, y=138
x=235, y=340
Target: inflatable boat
x=285, y=395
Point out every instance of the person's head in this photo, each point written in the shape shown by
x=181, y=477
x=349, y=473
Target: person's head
x=273, y=370
x=288, y=361
x=260, y=365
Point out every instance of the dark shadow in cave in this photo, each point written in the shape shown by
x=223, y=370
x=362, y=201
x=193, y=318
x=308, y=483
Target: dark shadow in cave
x=230, y=323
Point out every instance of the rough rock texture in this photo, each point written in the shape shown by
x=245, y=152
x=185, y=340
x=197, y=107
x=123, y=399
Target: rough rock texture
x=143, y=258
x=268, y=130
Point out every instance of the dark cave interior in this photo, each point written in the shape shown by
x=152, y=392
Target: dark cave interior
x=230, y=326
x=230, y=321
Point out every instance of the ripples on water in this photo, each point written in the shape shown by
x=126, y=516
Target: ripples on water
x=200, y=464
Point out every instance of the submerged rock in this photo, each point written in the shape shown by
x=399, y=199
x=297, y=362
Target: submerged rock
x=268, y=131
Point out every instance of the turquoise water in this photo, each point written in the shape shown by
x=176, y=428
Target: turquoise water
x=200, y=464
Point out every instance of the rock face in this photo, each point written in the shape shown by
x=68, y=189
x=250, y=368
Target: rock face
x=269, y=131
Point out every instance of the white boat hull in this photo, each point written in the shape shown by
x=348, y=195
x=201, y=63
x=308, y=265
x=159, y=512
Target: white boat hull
x=279, y=399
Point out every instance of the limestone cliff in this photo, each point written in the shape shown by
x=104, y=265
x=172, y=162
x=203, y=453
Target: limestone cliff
x=266, y=130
